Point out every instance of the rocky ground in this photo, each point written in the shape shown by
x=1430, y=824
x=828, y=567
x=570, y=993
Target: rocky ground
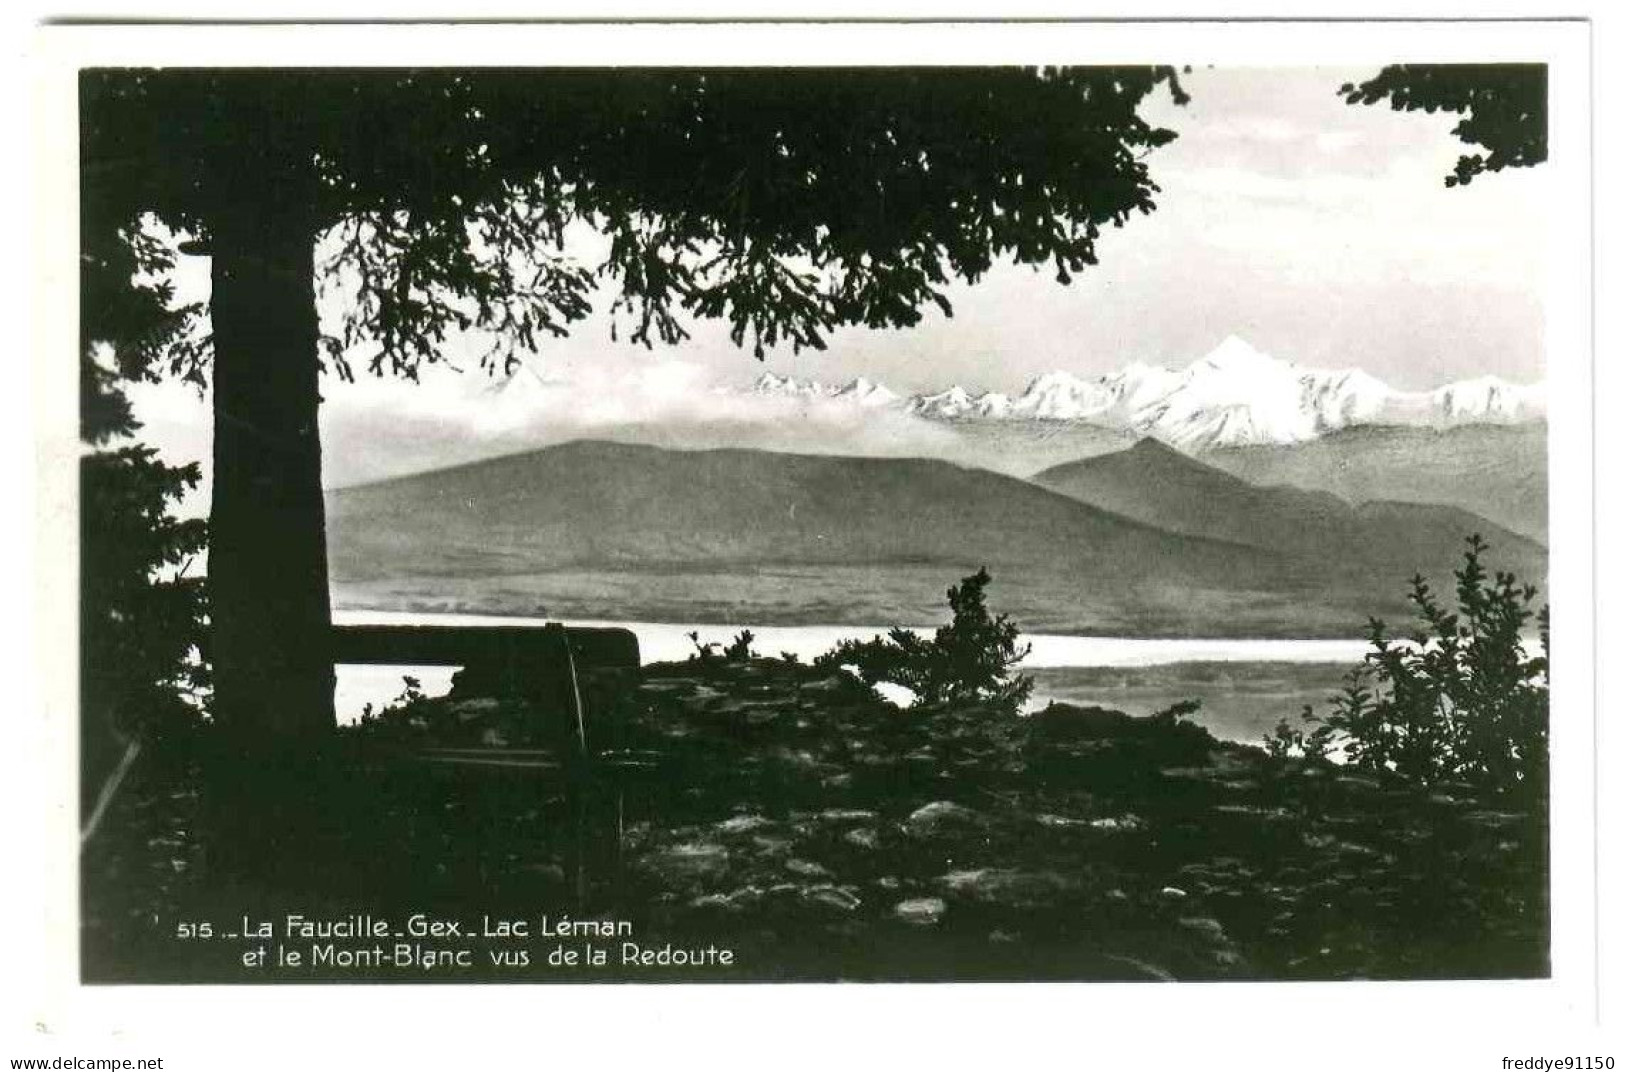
x=789, y=814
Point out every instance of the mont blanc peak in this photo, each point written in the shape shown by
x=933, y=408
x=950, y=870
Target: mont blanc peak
x=1234, y=395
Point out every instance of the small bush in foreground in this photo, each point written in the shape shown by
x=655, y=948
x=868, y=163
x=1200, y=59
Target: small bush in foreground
x=737, y=650
x=1459, y=700
x=972, y=658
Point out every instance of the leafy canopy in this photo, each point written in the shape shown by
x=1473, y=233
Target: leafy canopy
x=1503, y=108
x=787, y=203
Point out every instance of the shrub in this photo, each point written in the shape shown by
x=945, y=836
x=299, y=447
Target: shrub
x=738, y=650
x=1289, y=738
x=971, y=658
x=1462, y=700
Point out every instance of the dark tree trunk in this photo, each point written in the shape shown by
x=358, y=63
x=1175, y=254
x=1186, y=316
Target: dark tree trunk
x=273, y=678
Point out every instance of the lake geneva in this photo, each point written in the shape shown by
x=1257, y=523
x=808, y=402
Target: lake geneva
x=1245, y=686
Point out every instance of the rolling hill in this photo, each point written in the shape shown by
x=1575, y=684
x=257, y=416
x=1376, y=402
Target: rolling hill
x=603, y=504
x=609, y=530
x=1496, y=471
x=1156, y=484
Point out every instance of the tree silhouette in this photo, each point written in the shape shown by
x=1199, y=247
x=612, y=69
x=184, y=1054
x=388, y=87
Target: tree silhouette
x=140, y=611
x=785, y=203
x=1503, y=108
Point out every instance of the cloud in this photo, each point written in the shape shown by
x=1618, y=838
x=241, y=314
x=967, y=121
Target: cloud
x=1321, y=231
x=1256, y=128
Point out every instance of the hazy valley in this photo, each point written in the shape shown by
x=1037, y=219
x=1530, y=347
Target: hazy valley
x=1152, y=543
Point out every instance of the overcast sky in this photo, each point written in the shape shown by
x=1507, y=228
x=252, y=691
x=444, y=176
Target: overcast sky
x=1321, y=233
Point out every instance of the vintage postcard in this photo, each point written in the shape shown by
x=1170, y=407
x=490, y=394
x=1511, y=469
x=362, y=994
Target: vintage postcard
x=826, y=504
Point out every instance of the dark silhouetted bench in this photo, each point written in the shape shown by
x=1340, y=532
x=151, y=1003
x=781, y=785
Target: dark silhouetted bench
x=539, y=663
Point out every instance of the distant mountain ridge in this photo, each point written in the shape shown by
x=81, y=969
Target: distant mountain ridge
x=619, y=530
x=1234, y=396
x=601, y=503
x=1156, y=484
x=1497, y=471
x=862, y=391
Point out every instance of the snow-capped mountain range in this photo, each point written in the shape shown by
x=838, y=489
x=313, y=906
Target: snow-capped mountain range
x=861, y=391
x=1234, y=396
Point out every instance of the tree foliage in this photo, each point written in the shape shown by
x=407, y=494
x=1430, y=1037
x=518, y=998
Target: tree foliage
x=142, y=610
x=785, y=202
x=971, y=659
x=503, y=204
x=142, y=613
x=1460, y=699
x=1503, y=108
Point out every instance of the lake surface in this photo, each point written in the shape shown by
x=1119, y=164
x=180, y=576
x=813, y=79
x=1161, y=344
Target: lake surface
x=1246, y=686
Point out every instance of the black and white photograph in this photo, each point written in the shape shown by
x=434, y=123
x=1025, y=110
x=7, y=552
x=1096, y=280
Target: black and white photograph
x=1055, y=514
